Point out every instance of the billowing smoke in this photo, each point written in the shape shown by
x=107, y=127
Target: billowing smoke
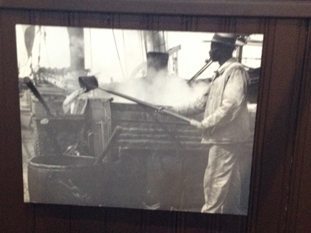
x=160, y=90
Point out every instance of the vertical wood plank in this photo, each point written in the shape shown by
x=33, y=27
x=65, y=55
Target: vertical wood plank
x=276, y=125
x=123, y=220
x=298, y=220
x=210, y=223
x=159, y=221
x=52, y=218
x=85, y=220
x=16, y=217
x=10, y=156
x=268, y=28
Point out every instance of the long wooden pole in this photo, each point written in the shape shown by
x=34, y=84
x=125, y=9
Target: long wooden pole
x=149, y=105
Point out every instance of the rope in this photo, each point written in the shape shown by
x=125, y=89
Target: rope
x=115, y=43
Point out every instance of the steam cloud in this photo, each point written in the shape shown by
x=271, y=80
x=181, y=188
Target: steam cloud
x=160, y=90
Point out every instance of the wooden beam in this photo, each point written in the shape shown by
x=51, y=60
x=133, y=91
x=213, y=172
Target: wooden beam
x=297, y=9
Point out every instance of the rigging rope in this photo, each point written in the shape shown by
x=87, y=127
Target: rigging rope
x=115, y=43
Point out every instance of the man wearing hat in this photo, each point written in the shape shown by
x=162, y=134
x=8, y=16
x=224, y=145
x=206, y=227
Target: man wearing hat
x=225, y=128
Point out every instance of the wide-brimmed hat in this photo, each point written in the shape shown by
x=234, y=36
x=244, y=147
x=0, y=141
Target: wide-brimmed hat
x=229, y=39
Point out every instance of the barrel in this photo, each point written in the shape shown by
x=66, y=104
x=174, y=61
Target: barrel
x=73, y=180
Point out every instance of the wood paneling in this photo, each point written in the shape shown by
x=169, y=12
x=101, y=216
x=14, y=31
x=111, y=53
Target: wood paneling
x=282, y=71
x=257, y=8
x=280, y=188
x=300, y=202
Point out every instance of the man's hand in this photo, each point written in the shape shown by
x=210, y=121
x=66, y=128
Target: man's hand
x=196, y=124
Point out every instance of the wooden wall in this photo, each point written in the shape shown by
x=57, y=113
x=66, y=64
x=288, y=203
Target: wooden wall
x=281, y=188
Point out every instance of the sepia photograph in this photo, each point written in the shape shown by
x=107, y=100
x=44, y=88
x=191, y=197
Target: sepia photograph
x=142, y=119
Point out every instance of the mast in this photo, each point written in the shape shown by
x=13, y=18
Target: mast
x=154, y=41
x=76, y=45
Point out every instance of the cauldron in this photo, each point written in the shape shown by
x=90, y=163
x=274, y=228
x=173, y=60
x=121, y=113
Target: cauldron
x=65, y=180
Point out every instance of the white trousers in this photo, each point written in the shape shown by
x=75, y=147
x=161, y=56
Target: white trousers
x=226, y=179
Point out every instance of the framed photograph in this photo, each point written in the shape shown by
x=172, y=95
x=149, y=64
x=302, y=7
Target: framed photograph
x=157, y=120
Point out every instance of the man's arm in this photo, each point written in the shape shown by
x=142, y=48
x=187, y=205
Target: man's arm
x=234, y=95
x=70, y=98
